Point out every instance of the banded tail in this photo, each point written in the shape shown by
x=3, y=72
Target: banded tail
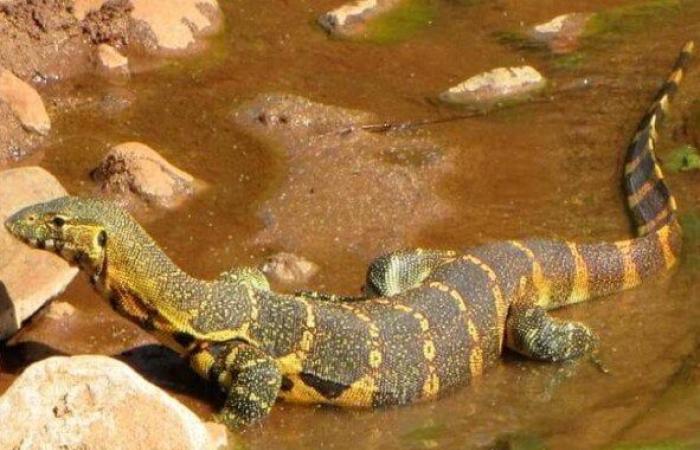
x=581, y=272
x=649, y=200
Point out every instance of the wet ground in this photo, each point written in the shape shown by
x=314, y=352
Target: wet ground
x=548, y=168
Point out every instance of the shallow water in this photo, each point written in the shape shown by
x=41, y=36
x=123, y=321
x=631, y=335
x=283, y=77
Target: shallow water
x=547, y=168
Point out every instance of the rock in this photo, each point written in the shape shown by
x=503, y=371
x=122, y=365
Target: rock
x=110, y=60
x=174, y=27
x=60, y=310
x=28, y=277
x=563, y=33
x=95, y=402
x=25, y=103
x=289, y=268
x=350, y=18
x=498, y=85
x=135, y=168
x=346, y=191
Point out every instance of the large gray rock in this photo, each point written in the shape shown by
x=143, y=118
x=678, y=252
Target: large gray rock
x=28, y=277
x=96, y=402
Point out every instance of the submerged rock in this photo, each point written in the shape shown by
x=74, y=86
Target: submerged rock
x=110, y=60
x=563, y=33
x=28, y=277
x=346, y=190
x=60, y=310
x=96, y=402
x=350, y=18
x=25, y=102
x=498, y=85
x=134, y=168
x=288, y=268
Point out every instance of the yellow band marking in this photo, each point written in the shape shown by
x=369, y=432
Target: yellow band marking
x=501, y=306
x=359, y=394
x=461, y=305
x=540, y=282
x=579, y=290
x=663, y=238
x=677, y=76
x=439, y=286
x=429, y=350
x=432, y=385
x=636, y=197
x=657, y=171
x=375, y=358
x=630, y=275
x=476, y=361
x=651, y=225
x=632, y=165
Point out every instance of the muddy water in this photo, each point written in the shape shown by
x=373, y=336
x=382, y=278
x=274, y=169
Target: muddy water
x=550, y=168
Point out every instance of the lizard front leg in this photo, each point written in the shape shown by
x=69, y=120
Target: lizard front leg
x=532, y=332
x=249, y=377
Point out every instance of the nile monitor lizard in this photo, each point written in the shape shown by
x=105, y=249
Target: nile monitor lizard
x=435, y=319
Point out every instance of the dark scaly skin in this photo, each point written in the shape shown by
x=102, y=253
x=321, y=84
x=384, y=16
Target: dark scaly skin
x=430, y=320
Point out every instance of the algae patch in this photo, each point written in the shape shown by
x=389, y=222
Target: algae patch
x=401, y=22
x=683, y=159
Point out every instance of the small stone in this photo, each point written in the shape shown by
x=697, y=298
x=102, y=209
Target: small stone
x=289, y=268
x=25, y=102
x=109, y=59
x=561, y=34
x=96, y=402
x=350, y=18
x=174, y=27
x=28, y=277
x=60, y=310
x=497, y=85
x=133, y=167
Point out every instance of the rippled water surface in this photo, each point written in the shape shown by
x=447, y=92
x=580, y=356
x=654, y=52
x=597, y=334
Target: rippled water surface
x=547, y=168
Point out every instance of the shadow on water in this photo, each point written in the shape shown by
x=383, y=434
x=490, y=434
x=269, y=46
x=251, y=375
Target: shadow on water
x=167, y=369
x=7, y=308
x=17, y=357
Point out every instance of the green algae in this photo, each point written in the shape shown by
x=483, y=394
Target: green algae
x=683, y=159
x=624, y=19
x=401, y=22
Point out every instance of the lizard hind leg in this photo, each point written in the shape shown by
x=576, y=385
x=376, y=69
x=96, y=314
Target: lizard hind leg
x=401, y=270
x=532, y=332
x=392, y=274
x=249, y=377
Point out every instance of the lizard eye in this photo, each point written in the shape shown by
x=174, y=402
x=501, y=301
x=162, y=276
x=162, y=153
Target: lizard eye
x=58, y=221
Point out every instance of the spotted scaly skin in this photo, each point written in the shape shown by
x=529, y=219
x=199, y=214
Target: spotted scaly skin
x=430, y=320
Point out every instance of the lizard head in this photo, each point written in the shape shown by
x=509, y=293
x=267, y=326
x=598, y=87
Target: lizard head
x=74, y=228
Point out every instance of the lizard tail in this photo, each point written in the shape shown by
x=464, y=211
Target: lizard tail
x=579, y=272
x=648, y=198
